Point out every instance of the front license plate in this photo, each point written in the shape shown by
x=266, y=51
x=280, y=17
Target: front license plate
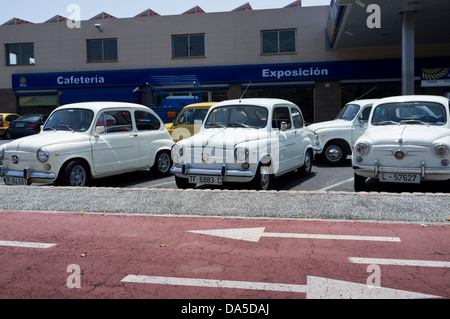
x=210, y=180
x=400, y=178
x=15, y=181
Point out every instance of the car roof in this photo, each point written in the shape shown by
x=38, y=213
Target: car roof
x=267, y=102
x=200, y=105
x=412, y=98
x=364, y=101
x=96, y=106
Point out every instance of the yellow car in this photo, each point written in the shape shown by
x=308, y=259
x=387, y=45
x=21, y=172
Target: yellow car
x=189, y=121
x=5, y=120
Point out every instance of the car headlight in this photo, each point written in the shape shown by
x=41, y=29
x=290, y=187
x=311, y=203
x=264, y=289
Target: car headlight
x=362, y=148
x=441, y=150
x=177, y=153
x=42, y=155
x=241, y=154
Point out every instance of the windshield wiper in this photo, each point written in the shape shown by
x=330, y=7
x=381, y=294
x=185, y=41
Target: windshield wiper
x=413, y=122
x=69, y=127
x=237, y=125
x=215, y=125
x=50, y=128
x=386, y=122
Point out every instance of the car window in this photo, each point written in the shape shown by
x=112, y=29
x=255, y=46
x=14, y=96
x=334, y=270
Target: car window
x=146, y=121
x=281, y=114
x=348, y=113
x=11, y=118
x=297, y=118
x=237, y=116
x=115, y=121
x=78, y=120
x=186, y=117
x=365, y=114
x=428, y=113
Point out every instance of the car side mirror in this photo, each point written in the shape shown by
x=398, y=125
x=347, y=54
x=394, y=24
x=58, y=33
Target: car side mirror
x=99, y=130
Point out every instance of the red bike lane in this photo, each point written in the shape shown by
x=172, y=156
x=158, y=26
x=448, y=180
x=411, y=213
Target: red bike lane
x=93, y=256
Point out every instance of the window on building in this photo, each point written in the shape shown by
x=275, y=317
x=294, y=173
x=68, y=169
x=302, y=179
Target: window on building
x=20, y=54
x=188, y=46
x=279, y=41
x=102, y=50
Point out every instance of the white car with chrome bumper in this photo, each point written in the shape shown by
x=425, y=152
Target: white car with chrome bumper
x=334, y=140
x=245, y=141
x=88, y=140
x=407, y=141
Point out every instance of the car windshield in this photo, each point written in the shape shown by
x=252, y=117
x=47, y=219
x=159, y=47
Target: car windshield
x=237, y=116
x=348, y=113
x=421, y=113
x=75, y=120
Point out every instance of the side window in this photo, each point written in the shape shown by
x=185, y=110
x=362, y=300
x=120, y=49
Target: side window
x=281, y=114
x=187, y=117
x=146, y=121
x=115, y=121
x=365, y=114
x=297, y=118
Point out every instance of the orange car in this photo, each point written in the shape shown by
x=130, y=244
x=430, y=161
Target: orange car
x=5, y=120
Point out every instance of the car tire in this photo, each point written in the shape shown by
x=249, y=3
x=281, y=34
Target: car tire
x=359, y=183
x=8, y=135
x=183, y=183
x=75, y=174
x=306, y=169
x=163, y=164
x=334, y=153
x=262, y=179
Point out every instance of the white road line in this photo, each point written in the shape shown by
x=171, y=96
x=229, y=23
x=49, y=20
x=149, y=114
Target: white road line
x=161, y=184
x=400, y=262
x=213, y=283
x=25, y=244
x=336, y=237
x=335, y=185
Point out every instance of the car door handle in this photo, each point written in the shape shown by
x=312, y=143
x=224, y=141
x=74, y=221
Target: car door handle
x=133, y=135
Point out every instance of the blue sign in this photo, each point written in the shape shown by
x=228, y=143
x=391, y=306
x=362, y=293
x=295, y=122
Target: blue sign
x=282, y=73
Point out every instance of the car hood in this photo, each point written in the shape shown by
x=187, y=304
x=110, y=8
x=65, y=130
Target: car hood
x=419, y=135
x=44, y=139
x=226, y=138
x=328, y=124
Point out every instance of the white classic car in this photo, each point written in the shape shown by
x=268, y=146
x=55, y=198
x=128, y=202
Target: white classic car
x=246, y=141
x=407, y=141
x=334, y=140
x=88, y=140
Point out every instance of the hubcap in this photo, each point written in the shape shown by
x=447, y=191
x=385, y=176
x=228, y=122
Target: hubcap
x=164, y=163
x=78, y=176
x=265, y=178
x=334, y=153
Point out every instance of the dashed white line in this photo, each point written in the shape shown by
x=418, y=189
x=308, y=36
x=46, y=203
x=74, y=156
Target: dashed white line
x=400, y=262
x=25, y=244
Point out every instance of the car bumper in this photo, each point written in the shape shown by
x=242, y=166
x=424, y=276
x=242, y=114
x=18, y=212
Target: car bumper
x=224, y=172
x=27, y=174
x=423, y=171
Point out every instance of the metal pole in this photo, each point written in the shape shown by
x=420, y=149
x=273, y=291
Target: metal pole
x=408, y=44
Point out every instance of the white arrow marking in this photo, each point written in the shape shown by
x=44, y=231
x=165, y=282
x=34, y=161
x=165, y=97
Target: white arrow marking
x=254, y=234
x=400, y=262
x=315, y=288
x=25, y=244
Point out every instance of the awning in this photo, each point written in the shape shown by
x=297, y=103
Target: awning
x=119, y=94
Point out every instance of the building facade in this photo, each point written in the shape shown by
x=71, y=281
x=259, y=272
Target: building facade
x=282, y=52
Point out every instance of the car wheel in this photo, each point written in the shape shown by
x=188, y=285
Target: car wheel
x=76, y=174
x=359, y=183
x=305, y=170
x=183, y=183
x=163, y=163
x=262, y=179
x=335, y=153
x=8, y=135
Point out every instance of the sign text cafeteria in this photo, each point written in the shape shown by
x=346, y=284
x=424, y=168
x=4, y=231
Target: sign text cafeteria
x=80, y=80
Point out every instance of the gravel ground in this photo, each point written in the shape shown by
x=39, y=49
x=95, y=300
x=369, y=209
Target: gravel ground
x=405, y=207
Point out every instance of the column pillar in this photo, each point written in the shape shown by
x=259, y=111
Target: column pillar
x=408, y=44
